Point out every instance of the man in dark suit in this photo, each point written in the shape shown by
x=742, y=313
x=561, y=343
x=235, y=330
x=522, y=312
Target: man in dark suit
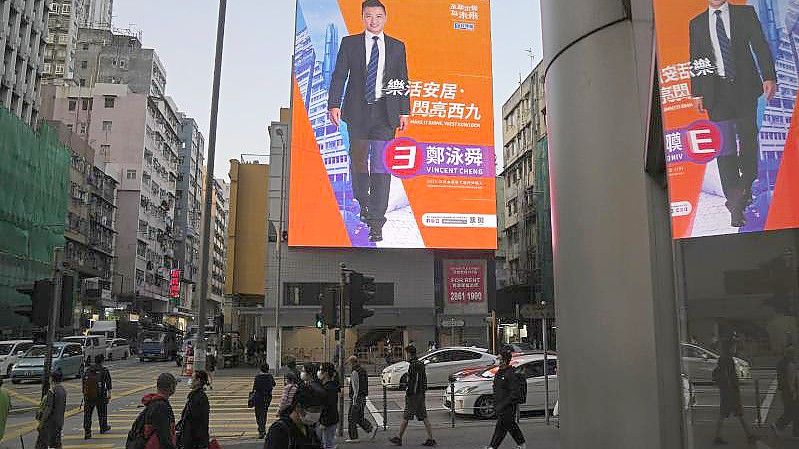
x=728, y=35
x=374, y=68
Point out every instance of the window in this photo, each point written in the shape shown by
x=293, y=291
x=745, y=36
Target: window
x=464, y=355
x=73, y=104
x=107, y=125
x=59, y=69
x=86, y=104
x=85, y=47
x=66, y=8
x=84, y=65
x=130, y=174
x=109, y=102
x=442, y=357
x=83, y=128
x=532, y=369
x=82, y=82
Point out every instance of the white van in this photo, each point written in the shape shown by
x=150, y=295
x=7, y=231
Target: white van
x=10, y=353
x=93, y=345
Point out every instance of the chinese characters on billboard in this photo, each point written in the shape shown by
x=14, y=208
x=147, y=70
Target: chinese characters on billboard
x=465, y=288
x=392, y=126
x=174, y=283
x=728, y=86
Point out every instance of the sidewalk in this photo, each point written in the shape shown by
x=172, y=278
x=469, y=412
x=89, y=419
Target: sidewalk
x=463, y=437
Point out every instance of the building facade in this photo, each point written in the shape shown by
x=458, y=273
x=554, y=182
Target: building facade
x=247, y=236
x=91, y=227
x=62, y=40
x=23, y=39
x=220, y=197
x=97, y=14
x=188, y=209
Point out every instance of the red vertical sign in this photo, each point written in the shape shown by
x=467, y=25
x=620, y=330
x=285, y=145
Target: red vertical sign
x=174, y=283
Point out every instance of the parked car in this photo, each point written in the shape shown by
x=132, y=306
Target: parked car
x=440, y=364
x=118, y=348
x=474, y=393
x=157, y=345
x=93, y=345
x=10, y=352
x=69, y=357
x=699, y=363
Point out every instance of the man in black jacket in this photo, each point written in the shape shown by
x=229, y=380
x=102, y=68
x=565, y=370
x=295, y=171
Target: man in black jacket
x=96, y=394
x=415, y=405
x=262, y=389
x=507, y=397
x=728, y=35
x=359, y=390
x=373, y=66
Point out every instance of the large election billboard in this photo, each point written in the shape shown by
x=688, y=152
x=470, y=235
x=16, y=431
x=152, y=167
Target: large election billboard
x=728, y=86
x=392, y=125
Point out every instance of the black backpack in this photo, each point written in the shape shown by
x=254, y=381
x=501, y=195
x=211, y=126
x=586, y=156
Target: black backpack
x=136, y=438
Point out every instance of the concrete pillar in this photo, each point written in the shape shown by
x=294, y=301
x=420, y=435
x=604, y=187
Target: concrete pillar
x=273, y=355
x=617, y=322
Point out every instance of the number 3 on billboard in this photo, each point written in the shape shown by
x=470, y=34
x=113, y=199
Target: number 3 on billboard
x=404, y=153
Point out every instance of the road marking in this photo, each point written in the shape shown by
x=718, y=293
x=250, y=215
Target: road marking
x=373, y=411
x=16, y=395
x=765, y=408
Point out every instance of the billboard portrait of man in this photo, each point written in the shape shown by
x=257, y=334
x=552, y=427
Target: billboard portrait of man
x=732, y=37
x=366, y=63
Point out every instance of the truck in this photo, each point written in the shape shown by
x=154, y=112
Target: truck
x=106, y=328
x=158, y=343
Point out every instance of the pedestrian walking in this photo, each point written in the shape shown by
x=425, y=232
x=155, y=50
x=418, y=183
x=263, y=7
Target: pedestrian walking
x=261, y=397
x=785, y=386
x=414, y=398
x=51, y=414
x=359, y=391
x=328, y=420
x=251, y=347
x=158, y=419
x=5, y=408
x=291, y=367
x=192, y=429
x=96, y=394
x=508, y=394
x=295, y=428
x=726, y=377
x=210, y=365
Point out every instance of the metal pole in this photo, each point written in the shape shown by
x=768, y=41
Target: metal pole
x=342, y=330
x=279, y=299
x=385, y=408
x=199, y=357
x=757, y=402
x=546, y=367
x=55, y=308
x=452, y=403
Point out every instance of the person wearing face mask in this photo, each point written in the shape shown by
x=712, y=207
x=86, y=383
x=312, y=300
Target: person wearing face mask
x=329, y=418
x=295, y=428
x=192, y=429
x=310, y=381
x=359, y=390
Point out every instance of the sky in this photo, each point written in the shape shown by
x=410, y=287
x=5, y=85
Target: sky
x=256, y=66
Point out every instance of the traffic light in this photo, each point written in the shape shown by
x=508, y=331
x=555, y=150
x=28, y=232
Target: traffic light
x=40, y=292
x=329, y=315
x=361, y=290
x=319, y=322
x=67, y=300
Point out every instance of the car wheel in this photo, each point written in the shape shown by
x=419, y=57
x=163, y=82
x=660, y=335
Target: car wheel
x=125, y=356
x=484, y=407
x=403, y=383
x=15, y=381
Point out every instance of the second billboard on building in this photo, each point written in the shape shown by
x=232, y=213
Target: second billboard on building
x=392, y=125
x=728, y=88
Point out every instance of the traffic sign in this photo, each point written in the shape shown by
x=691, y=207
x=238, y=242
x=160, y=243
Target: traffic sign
x=452, y=322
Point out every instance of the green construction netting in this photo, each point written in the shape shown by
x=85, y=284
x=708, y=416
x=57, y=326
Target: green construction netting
x=34, y=196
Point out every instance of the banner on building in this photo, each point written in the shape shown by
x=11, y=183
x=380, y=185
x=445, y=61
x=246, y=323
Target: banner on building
x=174, y=283
x=728, y=85
x=392, y=125
x=465, y=291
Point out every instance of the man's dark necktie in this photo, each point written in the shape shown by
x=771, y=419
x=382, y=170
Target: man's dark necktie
x=371, y=72
x=726, y=48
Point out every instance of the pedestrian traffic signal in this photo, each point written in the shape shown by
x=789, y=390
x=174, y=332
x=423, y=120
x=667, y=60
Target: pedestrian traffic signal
x=320, y=322
x=361, y=290
x=329, y=300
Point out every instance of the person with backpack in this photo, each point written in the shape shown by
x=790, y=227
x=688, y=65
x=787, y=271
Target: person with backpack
x=359, y=390
x=509, y=392
x=726, y=377
x=261, y=397
x=51, y=414
x=96, y=394
x=295, y=428
x=192, y=429
x=415, y=405
x=154, y=428
x=328, y=420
